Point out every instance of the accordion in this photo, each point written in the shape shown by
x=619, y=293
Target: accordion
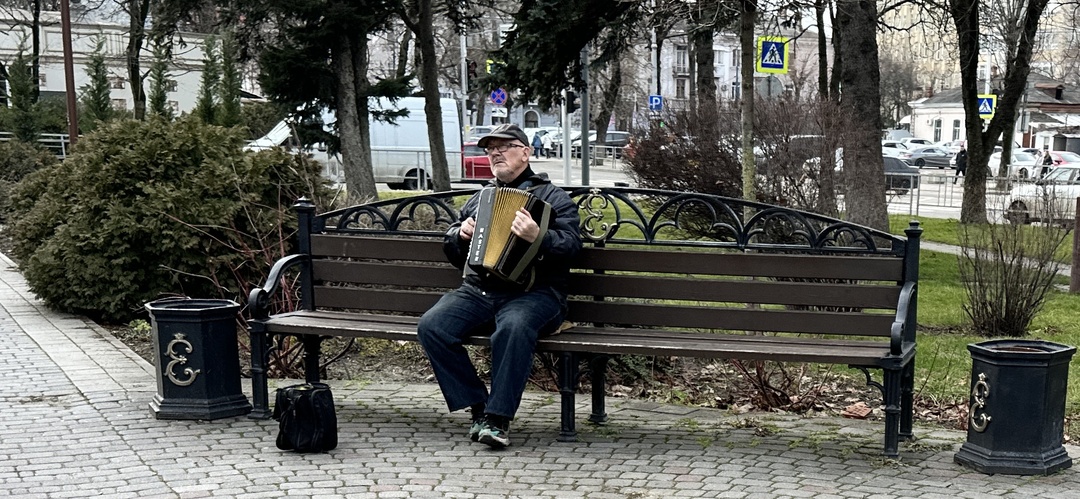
x=494, y=247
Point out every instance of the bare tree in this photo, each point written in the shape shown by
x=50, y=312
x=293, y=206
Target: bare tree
x=966, y=16
x=898, y=87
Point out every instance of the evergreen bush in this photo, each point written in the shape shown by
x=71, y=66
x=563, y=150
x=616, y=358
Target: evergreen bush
x=17, y=160
x=150, y=208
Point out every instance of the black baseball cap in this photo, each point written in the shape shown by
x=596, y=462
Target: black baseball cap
x=507, y=131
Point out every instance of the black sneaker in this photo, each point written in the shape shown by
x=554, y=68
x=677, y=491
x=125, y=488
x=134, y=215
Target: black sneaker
x=493, y=436
x=474, y=430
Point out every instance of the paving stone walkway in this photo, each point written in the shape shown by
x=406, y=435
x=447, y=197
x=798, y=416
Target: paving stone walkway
x=76, y=423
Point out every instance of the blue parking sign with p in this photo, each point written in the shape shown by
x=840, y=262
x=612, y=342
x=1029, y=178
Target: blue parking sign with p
x=656, y=103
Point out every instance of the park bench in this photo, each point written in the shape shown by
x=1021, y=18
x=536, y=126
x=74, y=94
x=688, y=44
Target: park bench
x=661, y=274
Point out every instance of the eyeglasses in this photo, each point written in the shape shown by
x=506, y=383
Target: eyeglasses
x=501, y=148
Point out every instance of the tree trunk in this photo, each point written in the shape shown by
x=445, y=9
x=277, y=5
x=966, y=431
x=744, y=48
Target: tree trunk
x=609, y=95
x=748, y=18
x=35, y=60
x=350, y=68
x=838, y=61
x=403, y=53
x=429, y=79
x=823, y=51
x=980, y=143
x=864, y=173
x=704, y=66
x=139, y=10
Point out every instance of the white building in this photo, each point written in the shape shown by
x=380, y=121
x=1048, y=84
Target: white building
x=1047, y=105
x=185, y=69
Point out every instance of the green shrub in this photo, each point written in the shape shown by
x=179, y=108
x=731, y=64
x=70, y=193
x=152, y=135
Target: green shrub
x=150, y=208
x=17, y=160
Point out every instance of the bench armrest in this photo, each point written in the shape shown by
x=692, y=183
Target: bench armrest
x=259, y=298
x=898, y=334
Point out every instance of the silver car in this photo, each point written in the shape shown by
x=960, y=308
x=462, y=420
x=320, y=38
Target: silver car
x=1052, y=199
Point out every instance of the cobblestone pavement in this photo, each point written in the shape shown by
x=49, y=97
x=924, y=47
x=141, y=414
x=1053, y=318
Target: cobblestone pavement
x=76, y=423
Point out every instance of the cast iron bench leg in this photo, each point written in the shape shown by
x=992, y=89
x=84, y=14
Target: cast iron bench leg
x=568, y=379
x=907, y=396
x=312, y=347
x=892, y=412
x=260, y=359
x=598, y=365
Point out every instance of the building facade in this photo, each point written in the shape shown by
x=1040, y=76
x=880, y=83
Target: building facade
x=185, y=69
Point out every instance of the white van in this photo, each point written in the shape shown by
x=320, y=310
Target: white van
x=399, y=152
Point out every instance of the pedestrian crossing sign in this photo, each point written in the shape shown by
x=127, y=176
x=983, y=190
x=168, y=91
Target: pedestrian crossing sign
x=987, y=105
x=772, y=54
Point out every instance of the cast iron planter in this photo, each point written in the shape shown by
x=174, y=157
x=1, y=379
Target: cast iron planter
x=1017, y=409
x=198, y=362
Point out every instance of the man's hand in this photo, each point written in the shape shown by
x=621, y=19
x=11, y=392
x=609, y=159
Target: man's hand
x=466, y=230
x=524, y=226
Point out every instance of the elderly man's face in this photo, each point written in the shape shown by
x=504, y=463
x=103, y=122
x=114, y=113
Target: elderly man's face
x=508, y=158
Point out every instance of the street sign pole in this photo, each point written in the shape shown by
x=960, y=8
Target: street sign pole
x=585, y=116
x=567, y=173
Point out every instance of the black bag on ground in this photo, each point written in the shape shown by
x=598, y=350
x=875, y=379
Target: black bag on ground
x=306, y=418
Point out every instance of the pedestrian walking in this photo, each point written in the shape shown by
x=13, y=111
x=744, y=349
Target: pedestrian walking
x=537, y=144
x=961, y=163
x=545, y=142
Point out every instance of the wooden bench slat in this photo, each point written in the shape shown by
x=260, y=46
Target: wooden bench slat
x=386, y=300
x=795, y=321
x=352, y=246
x=607, y=340
x=398, y=274
x=772, y=292
x=743, y=264
x=629, y=286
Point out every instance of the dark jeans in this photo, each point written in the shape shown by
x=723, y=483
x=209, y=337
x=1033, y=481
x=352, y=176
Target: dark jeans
x=518, y=320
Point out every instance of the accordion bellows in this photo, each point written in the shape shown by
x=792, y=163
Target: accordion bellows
x=494, y=247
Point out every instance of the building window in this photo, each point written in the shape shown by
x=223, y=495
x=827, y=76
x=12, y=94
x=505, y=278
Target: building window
x=170, y=86
x=41, y=79
x=116, y=82
x=680, y=87
x=175, y=105
x=120, y=104
x=956, y=129
x=682, y=59
x=937, y=130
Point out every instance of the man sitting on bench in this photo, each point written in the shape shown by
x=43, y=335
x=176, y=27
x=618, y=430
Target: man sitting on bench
x=516, y=313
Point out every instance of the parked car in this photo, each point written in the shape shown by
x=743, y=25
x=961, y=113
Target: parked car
x=476, y=161
x=893, y=152
x=612, y=139
x=474, y=132
x=1023, y=165
x=900, y=177
x=930, y=156
x=1052, y=198
x=1058, y=158
x=915, y=142
x=894, y=144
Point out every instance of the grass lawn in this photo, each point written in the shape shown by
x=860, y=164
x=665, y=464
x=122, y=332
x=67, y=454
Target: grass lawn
x=947, y=230
x=944, y=364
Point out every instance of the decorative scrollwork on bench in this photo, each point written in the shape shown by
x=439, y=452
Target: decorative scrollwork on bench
x=624, y=215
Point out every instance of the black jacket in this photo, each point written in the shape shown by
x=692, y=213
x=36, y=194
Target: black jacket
x=561, y=244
